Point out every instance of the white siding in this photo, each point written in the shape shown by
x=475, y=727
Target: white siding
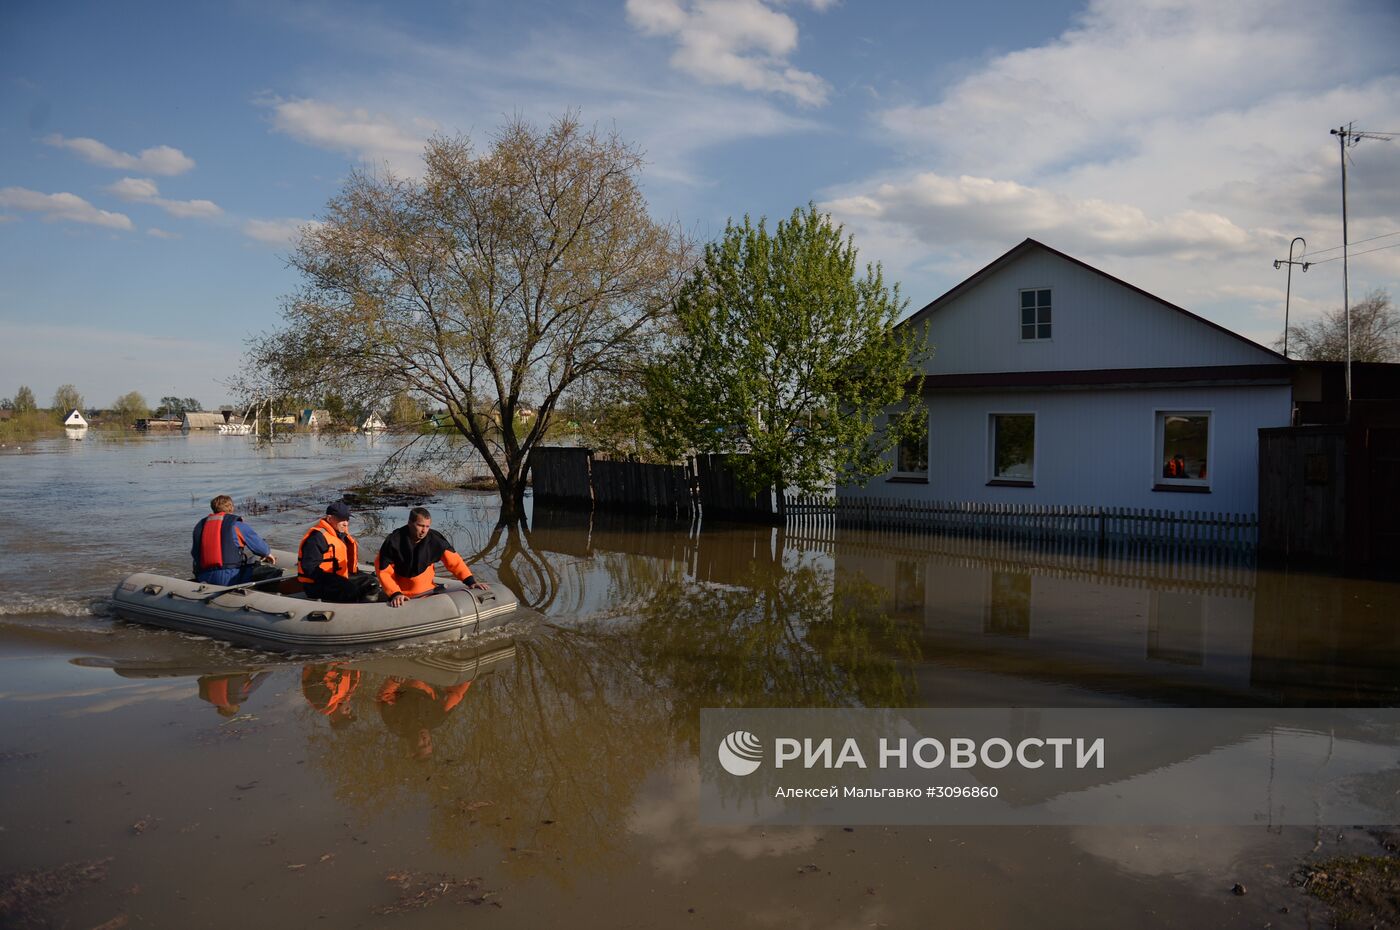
x=1094, y=448
x=1097, y=323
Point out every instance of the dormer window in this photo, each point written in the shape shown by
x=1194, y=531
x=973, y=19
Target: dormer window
x=1035, y=314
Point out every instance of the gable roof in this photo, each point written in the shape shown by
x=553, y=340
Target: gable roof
x=203, y=419
x=1027, y=245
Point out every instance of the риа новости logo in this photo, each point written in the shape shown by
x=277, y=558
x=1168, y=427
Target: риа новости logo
x=740, y=753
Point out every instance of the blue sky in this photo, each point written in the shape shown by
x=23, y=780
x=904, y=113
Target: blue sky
x=157, y=158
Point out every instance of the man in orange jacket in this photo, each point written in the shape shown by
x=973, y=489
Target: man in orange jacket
x=405, y=561
x=329, y=558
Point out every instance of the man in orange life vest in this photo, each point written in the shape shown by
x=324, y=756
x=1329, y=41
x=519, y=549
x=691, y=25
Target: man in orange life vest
x=329, y=558
x=218, y=541
x=405, y=561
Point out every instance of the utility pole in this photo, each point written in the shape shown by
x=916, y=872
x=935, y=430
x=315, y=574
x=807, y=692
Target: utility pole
x=1347, y=137
x=1288, y=292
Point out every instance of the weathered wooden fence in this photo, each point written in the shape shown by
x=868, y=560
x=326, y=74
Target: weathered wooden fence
x=1082, y=529
x=722, y=497
x=641, y=487
x=577, y=478
x=561, y=476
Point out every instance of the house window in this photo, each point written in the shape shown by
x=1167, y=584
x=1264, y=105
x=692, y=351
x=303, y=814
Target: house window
x=1013, y=448
x=911, y=458
x=1183, y=451
x=1035, y=313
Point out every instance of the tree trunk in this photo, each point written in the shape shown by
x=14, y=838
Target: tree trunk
x=512, y=490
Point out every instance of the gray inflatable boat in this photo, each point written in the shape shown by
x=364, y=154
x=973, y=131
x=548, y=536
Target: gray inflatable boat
x=275, y=615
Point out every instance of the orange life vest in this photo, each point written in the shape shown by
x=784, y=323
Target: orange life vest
x=448, y=697
x=217, y=542
x=342, y=555
x=335, y=687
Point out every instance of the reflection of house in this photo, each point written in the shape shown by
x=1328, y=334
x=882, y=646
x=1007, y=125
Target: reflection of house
x=75, y=420
x=1038, y=616
x=1053, y=383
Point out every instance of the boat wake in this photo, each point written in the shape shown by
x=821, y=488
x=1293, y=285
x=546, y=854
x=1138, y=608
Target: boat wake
x=53, y=605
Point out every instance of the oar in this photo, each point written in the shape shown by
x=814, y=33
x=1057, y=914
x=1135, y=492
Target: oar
x=237, y=587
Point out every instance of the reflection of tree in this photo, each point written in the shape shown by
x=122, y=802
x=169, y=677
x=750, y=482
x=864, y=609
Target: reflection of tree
x=790, y=636
x=546, y=756
x=527, y=573
x=556, y=745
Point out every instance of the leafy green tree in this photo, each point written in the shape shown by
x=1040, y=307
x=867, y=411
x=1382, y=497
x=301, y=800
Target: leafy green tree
x=503, y=276
x=172, y=406
x=66, y=398
x=405, y=410
x=24, y=400
x=783, y=353
x=130, y=407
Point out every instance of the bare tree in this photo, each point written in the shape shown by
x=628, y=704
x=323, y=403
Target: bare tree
x=493, y=284
x=66, y=398
x=1375, y=333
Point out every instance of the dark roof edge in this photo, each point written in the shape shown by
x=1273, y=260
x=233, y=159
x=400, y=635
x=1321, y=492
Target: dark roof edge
x=1206, y=374
x=1026, y=245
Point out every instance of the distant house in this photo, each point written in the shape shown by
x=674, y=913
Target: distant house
x=1053, y=383
x=373, y=424
x=202, y=420
x=159, y=423
x=74, y=420
x=316, y=419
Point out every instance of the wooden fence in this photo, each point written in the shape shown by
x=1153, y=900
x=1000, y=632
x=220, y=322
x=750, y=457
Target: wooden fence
x=1120, y=529
x=561, y=476
x=641, y=487
x=577, y=478
x=723, y=498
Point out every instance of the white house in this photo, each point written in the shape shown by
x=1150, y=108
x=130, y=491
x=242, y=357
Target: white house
x=1054, y=383
x=75, y=420
x=316, y=419
x=373, y=424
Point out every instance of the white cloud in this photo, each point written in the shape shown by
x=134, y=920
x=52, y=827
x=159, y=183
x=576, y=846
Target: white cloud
x=376, y=138
x=144, y=190
x=947, y=211
x=1128, y=64
x=1178, y=144
x=161, y=233
x=63, y=207
x=743, y=43
x=160, y=159
x=283, y=232
x=134, y=189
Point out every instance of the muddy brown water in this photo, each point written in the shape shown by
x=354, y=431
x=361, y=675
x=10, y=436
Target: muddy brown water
x=550, y=773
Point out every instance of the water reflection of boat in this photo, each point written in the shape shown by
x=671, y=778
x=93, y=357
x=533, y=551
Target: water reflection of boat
x=444, y=665
x=276, y=615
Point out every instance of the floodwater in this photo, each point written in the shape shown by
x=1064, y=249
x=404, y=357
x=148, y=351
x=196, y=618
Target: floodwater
x=550, y=773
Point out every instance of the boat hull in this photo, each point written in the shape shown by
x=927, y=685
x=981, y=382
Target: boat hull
x=292, y=623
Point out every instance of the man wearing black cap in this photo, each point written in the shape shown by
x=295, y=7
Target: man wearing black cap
x=329, y=559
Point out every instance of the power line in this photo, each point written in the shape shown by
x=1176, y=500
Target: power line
x=1337, y=258
x=1357, y=242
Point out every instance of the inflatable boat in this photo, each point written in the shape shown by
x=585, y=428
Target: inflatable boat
x=275, y=614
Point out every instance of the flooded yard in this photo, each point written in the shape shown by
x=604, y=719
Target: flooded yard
x=550, y=772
